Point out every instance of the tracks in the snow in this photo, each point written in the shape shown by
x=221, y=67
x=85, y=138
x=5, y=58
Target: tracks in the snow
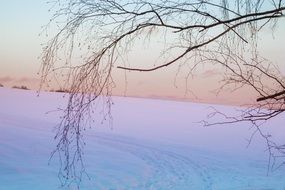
x=169, y=170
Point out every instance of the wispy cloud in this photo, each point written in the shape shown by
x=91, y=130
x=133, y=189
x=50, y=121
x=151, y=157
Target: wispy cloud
x=210, y=73
x=6, y=79
x=27, y=79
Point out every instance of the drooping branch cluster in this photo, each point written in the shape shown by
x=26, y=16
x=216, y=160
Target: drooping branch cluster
x=256, y=116
x=266, y=81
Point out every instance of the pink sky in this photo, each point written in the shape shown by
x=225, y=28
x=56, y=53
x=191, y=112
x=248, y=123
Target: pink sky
x=20, y=48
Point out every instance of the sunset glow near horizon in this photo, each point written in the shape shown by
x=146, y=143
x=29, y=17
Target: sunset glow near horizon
x=20, y=49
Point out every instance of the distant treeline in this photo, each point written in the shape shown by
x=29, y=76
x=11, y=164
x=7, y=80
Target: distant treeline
x=61, y=90
x=21, y=87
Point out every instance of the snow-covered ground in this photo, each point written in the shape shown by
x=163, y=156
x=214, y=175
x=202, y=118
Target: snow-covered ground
x=154, y=144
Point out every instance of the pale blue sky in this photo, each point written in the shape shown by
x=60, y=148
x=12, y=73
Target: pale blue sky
x=21, y=23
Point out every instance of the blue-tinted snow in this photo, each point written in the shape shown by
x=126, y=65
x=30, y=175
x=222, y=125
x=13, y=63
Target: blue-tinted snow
x=153, y=145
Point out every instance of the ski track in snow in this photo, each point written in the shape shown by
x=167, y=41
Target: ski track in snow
x=170, y=169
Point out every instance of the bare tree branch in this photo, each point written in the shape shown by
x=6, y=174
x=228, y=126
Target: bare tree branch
x=94, y=35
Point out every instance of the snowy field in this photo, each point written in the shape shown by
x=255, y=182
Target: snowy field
x=154, y=145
